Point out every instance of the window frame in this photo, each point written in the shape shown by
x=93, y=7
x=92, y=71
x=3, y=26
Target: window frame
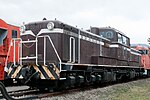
x=14, y=34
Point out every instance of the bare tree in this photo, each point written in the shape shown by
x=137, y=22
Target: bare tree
x=148, y=40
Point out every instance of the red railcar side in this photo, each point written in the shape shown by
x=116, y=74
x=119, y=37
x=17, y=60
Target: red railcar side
x=145, y=57
x=7, y=33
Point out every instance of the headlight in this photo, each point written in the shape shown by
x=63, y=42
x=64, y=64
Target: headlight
x=22, y=29
x=50, y=25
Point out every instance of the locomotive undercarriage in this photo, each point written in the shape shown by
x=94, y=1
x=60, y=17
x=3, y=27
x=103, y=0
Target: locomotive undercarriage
x=74, y=76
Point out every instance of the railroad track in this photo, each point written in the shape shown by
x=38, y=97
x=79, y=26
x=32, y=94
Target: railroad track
x=20, y=93
x=29, y=94
x=40, y=95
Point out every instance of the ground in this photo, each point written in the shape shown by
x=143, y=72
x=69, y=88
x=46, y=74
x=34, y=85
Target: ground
x=135, y=90
x=138, y=90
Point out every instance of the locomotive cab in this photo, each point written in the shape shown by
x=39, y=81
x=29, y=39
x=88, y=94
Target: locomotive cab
x=120, y=44
x=112, y=34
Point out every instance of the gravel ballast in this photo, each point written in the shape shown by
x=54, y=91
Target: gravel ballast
x=135, y=90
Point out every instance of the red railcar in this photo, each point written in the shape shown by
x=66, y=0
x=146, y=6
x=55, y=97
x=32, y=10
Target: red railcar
x=145, y=57
x=7, y=34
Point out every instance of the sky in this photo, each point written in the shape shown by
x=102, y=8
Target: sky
x=132, y=17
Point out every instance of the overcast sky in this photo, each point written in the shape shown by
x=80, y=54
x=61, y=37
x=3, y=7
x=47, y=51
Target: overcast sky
x=132, y=17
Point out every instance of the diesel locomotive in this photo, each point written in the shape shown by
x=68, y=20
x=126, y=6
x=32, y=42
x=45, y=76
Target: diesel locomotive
x=55, y=55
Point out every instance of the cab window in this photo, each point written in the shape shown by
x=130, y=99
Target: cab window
x=107, y=34
x=124, y=40
x=120, y=38
x=3, y=34
x=14, y=34
x=144, y=52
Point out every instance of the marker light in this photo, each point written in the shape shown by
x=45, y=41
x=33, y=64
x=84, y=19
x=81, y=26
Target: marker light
x=22, y=29
x=50, y=25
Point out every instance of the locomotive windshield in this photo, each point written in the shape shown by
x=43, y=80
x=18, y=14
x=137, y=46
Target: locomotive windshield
x=122, y=39
x=144, y=52
x=3, y=34
x=107, y=34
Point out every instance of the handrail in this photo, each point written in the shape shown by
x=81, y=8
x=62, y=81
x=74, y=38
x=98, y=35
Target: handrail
x=53, y=48
x=13, y=43
x=19, y=39
x=79, y=32
x=44, y=50
x=31, y=41
x=72, y=60
x=100, y=47
x=8, y=53
x=36, y=51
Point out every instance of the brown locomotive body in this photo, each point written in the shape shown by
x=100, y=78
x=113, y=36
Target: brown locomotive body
x=62, y=55
x=66, y=40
